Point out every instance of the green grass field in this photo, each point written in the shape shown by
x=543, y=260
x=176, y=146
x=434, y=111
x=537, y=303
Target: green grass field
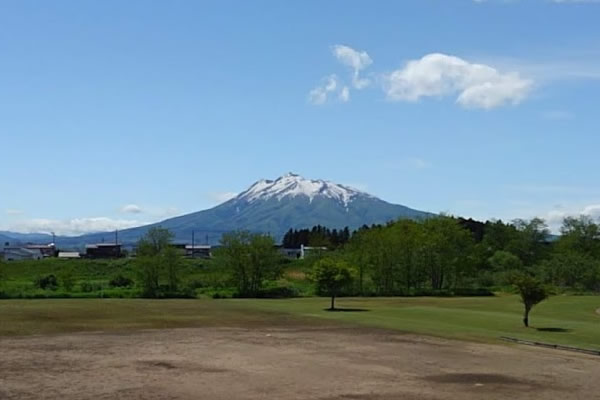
x=569, y=320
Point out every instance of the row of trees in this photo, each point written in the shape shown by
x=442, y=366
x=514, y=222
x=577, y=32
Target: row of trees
x=318, y=236
x=446, y=253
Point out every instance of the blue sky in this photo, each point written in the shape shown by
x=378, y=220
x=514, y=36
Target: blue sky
x=116, y=113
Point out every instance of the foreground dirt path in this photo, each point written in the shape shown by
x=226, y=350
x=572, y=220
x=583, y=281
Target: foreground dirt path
x=294, y=363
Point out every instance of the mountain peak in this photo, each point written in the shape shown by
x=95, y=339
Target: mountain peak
x=293, y=185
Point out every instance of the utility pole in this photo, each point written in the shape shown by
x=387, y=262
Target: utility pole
x=116, y=236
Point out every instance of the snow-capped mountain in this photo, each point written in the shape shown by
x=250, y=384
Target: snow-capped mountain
x=275, y=206
x=292, y=185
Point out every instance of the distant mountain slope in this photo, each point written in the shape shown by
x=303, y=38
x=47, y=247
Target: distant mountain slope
x=274, y=206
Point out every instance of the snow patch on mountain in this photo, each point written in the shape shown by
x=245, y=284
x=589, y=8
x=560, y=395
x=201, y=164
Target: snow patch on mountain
x=292, y=185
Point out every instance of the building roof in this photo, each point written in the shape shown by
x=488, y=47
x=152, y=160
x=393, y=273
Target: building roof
x=97, y=245
x=198, y=247
x=68, y=254
x=21, y=251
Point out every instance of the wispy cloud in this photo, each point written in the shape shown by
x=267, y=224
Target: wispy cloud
x=324, y=91
x=131, y=209
x=14, y=211
x=332, y=87
x=73, y=227
x=357, y=60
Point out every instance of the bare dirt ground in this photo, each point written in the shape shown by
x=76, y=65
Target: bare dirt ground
x=285, y=363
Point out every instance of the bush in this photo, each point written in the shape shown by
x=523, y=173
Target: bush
x=48, y=282
x=90, y=287
x=120, y=281
x=278, y=292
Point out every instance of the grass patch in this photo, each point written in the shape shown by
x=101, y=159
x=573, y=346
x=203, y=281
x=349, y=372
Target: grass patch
x=567, y=320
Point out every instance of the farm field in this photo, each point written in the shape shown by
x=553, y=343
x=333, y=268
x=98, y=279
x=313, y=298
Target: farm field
x=222, y=349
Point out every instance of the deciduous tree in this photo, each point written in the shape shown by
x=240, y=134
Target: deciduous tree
x=332, y=275
x=532, y=292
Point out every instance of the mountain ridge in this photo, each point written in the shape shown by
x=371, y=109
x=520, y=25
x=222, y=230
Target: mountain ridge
x=272, y=206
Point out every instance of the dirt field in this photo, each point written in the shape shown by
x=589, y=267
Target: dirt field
x=285, y=363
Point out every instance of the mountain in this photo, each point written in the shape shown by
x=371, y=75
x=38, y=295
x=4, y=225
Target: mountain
x=273, y=206
x=6, y=236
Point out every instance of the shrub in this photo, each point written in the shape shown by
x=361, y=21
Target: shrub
x=278, y=292
x=48, y=282
x=90, y=287
x=120, y=281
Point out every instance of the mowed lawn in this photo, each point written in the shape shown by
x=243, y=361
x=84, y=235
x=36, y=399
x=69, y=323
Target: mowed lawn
x=570, y=320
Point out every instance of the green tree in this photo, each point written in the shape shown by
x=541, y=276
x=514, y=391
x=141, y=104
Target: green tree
x=532, y=292
x=156, y=258
x=331, y=276
x=581, y=235
x=447, y=246
x=531, y=242
x=504, y=264
x=251, y=258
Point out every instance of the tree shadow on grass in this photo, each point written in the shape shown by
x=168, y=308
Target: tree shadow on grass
x=347, y=310
x=555, y=330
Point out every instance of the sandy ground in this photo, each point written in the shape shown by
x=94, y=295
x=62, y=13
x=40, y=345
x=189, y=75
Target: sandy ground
x=286, y=363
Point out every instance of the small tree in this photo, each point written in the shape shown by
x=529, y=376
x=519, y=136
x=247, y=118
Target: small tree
x=157, y=258
x=532, y=292
x=251, y=258
x=331, y=276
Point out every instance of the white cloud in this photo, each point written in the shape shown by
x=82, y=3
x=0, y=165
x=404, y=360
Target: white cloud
x=73, y=227
x=320, y=94
x=357, y=60
x=554, y=218
x=221, y=197
x=13, y=211
x=131, y=209
x=439, y=75
x=344, y=95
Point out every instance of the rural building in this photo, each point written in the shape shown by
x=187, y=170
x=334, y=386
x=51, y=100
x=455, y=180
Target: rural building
x=289, y=253
x=300, y=253
x=47, y=250
x=20, y=254
x=103, y=250
x=198, y=251
x=68, y=255
x=306, y=250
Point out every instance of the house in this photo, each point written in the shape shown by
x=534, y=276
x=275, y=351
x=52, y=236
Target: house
x=307, y=250
x=289, y=252
x=68, y=255
x=47, y=250
x=103, y=250
x=20, y=254
x=198, y=251
x=300, y=253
